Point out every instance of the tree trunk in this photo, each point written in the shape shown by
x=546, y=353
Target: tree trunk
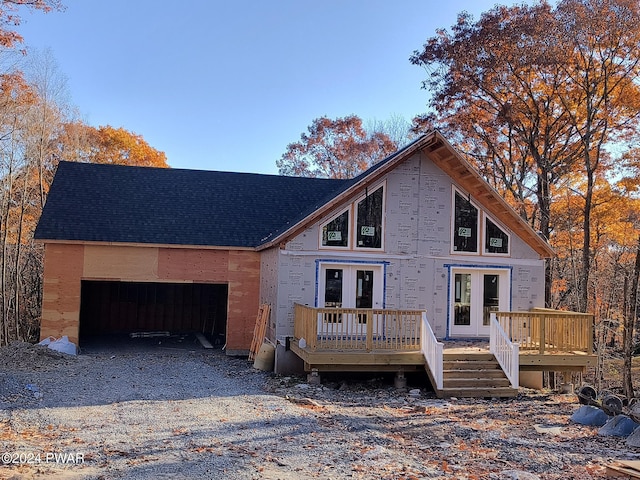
x=631, y=313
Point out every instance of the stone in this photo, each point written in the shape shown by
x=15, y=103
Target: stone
x=517, y=475
x=633, y=440
x=590, y=415
x=618, y=426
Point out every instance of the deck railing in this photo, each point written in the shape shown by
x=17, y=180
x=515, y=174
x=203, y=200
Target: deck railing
x=545, y=330
x=432, y=350
x=360, y=329
x=506, y=352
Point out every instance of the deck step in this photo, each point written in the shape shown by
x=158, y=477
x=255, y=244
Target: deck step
x=477, y=392
x=470, y=365
x=477, y=383
x=471, y=356
x=475, y=375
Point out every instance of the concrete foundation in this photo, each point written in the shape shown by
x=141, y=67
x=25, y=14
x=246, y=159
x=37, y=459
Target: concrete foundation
x=400, y=382
x=287, y=362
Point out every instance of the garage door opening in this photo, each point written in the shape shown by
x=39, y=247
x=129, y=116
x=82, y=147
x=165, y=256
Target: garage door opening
x=114, y=308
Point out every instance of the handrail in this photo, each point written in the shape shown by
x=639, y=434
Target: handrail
x=549, y=330
x=506, y=352
x=357, y=329
x=432, y=350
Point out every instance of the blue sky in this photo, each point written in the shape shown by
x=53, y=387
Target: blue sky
x=227, y=85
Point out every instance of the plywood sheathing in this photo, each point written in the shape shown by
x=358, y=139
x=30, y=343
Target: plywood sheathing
x=244, y=295
x=63, y=268
x=120, y=263
x=193, y=265
x=67, y=264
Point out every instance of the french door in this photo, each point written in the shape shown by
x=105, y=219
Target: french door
x=475, y=293
x=344, y=286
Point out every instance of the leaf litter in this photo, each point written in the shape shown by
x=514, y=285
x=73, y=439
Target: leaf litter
x=201, y=414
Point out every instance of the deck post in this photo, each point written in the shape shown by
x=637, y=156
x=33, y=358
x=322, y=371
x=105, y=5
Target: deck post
x=400, y=382
x=369, y=340
x=543, y=337
x=313, y=378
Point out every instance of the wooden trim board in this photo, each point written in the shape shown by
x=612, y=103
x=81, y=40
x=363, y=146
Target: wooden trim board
x=624, y=469
x=259, y=330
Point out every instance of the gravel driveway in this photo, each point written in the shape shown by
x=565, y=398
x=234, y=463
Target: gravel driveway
x=166, y=411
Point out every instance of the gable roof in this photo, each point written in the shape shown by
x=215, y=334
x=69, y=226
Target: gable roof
x=113, y=203
x=443, y=155
x=122, y=204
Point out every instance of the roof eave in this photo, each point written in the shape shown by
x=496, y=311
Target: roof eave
x=447, y=158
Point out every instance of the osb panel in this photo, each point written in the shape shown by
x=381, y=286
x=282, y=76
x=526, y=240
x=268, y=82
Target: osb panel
x=244, y=294
x=121, y=263
x=193, y=265
x=63, y=265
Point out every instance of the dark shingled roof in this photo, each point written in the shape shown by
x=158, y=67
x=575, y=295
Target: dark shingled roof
x=112, y=203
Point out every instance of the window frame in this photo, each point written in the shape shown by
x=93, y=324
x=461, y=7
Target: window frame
x=489, y=218
x=349, y=211
x=355, y=204
x=481, y=233
x=456, y=191
x=352, y=210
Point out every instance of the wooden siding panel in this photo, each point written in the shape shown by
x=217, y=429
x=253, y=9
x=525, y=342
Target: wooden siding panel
x=193, y=265
x=121, y=263
x=63, y=266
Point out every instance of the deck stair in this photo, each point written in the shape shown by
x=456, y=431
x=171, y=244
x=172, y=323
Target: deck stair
x=475, y=374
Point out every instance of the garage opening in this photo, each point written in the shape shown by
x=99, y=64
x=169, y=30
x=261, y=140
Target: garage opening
x=114, y=307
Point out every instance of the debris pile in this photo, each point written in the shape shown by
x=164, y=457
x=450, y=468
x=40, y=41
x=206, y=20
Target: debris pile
x=23, y=356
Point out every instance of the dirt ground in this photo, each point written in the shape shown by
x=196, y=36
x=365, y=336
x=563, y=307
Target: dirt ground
x=169, y=409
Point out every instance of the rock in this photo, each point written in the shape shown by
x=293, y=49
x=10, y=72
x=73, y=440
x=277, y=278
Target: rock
x=548, y=429
x=590, y=415
x=517, y=475
x=633, y=440
x=618, y=426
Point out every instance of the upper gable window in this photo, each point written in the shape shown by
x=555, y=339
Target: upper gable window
x=465, y=225
x=369, y=220
x=496, y=239
x=336, y=232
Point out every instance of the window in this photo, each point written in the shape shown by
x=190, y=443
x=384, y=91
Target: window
x=359, y=226
x=369, y=220
x=465, y=231
x=496, y=240
x=336, y=232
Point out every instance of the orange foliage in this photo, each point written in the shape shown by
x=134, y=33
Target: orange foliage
x=9, y=18
x=80, y=142
x=338, y=148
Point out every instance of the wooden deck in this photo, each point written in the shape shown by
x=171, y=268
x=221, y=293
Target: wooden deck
x=385, y=360
x=358, y=361
x=366, y=340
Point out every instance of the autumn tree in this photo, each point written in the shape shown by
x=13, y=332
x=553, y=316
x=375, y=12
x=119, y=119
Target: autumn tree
x=10, y=18
x=37, y=130
x=16, y=100
x=602, y=96
x=106, y=144
x=339, y=148
x=497, y=96
x=532, y=95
